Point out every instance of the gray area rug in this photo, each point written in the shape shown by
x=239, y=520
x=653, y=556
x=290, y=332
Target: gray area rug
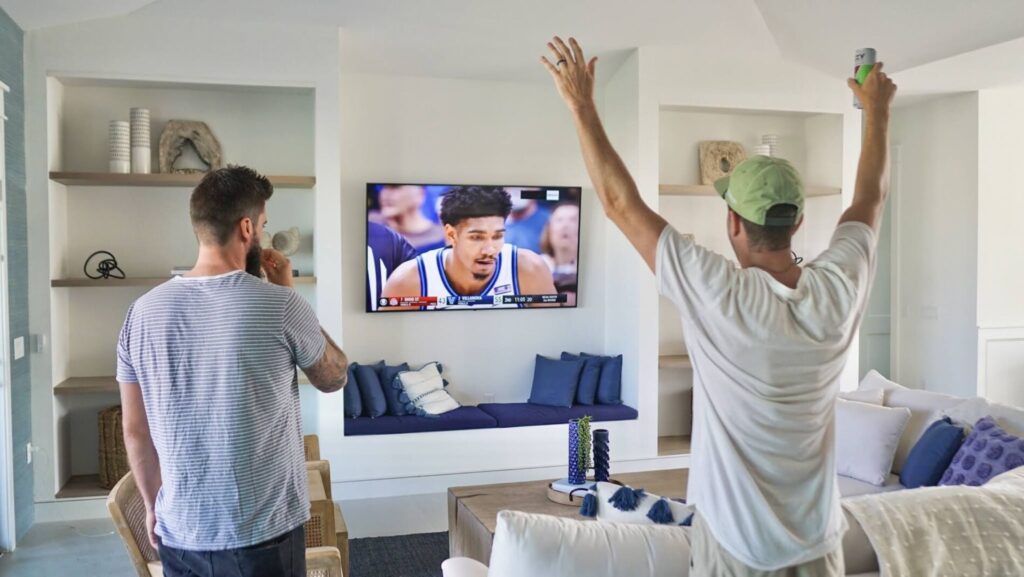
x=405, y=556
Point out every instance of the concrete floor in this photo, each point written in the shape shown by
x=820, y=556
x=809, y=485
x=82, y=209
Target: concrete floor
x=82, y=548
x=93, y=549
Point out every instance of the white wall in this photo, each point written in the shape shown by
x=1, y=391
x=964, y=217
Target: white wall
x=405, y=129
x=177, y=50
x=935, y=200
x=631, y=287
x=1000, y=258
x=1001, y=266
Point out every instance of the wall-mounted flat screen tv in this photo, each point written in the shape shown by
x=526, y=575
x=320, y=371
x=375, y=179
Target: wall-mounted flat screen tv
x=442, y=247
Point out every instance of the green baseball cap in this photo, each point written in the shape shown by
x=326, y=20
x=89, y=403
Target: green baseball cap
x=759, y=183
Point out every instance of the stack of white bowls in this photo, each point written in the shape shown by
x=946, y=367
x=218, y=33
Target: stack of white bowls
x=140, y=141
x=120, y=144
x=772, y=142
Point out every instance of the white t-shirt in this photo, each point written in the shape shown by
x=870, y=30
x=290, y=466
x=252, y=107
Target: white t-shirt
x=766, y=366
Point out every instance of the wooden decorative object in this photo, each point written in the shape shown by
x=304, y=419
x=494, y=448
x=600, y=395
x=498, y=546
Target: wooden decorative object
x=177, y=134
x=718, y=158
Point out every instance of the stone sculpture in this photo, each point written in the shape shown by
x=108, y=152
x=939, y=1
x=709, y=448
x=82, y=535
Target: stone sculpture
x=177, y=133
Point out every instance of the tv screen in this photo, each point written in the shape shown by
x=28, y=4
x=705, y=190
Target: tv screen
x=440, y=247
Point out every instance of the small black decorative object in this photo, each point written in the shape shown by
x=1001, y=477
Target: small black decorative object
x=601, y=457
x=107, y=268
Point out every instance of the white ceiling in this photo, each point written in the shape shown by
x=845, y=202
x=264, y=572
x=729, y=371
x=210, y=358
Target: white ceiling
x=825, y=33
x=485, y=39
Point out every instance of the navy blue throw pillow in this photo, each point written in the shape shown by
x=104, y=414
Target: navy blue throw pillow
x=370, y=389
x=554, y=382
x=353, y=400
x=387, y=380
x=932, y=454
x=609, y=384
x=586, y=391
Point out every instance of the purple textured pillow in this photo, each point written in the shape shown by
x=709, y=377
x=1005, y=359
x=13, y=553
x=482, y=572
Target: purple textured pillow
x=987, y=452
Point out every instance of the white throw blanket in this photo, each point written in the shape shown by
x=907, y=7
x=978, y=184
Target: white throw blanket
x=941, y=531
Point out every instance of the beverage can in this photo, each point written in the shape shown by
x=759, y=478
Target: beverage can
x=863, y=62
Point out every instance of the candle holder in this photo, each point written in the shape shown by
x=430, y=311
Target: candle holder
x=601, y=458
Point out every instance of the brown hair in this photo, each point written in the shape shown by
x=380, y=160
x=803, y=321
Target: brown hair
x=771, y=238
x=224, y=197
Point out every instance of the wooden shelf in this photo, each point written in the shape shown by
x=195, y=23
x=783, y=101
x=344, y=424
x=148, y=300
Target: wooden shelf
x=135, y=282
x=187, y=180
x=87, y=385
x=708, y=190
x=687, y=190
x=674, y=445
x=107, y=385
x=674, y=362
x=81, y=487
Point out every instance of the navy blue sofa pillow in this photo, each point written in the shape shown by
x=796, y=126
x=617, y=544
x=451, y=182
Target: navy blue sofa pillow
x=387, y=379
x=353, y=400
x=555, y=381
x=931, y=455
x=586, y=391
x=609, y=384
x=370, y=389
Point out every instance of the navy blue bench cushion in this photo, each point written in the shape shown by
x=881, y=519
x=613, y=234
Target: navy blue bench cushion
x=459, y=419
x=525, y=414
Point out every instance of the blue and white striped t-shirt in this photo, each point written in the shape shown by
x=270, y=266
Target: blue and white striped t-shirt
x=215, y=358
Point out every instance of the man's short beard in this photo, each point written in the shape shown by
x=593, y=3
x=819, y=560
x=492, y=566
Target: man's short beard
x=481, y=277
x=252, y=260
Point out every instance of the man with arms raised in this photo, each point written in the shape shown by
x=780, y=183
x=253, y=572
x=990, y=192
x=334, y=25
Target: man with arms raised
x=477, y=260
x=768, y=340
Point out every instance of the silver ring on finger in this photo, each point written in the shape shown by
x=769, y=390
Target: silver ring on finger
x=560, y=62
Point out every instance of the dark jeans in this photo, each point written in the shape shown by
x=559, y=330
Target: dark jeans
x=283, y=556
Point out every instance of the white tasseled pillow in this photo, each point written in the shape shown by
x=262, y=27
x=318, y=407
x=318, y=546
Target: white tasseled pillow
x=423, y=391
x=618, y=504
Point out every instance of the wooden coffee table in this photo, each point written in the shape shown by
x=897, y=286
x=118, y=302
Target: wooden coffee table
x=473, y=511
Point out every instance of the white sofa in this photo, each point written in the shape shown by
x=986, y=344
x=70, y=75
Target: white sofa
x=537, y=545
x=541, y=545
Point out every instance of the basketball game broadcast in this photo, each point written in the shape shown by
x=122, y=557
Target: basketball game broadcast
x=436, y=247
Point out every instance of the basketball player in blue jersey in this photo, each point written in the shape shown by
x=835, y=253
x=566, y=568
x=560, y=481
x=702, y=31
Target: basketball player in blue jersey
x=477, y=261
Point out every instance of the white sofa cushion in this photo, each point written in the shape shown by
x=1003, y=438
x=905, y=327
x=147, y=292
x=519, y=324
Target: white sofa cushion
x=869, y=396
x=866, y=439
x=853, y=488
x=529, y=544
x=968, y=412
x=924, y=407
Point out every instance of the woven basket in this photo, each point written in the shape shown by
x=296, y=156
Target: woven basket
x=113, y=455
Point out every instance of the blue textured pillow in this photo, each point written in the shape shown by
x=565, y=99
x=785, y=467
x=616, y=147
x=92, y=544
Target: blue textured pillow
x=987, y=452
x=554, y=382
x=586, y=391
x=609, y=384
x=353, y=400
x=930, y=457
x=387, y=379
x=370, y=389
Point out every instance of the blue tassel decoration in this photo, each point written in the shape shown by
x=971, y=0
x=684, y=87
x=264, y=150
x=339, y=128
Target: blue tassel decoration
x=589, y=507
x=661, y=512
x=626, y=499
x=687, y=521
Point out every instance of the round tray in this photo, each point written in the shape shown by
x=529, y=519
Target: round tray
x=564, y=498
